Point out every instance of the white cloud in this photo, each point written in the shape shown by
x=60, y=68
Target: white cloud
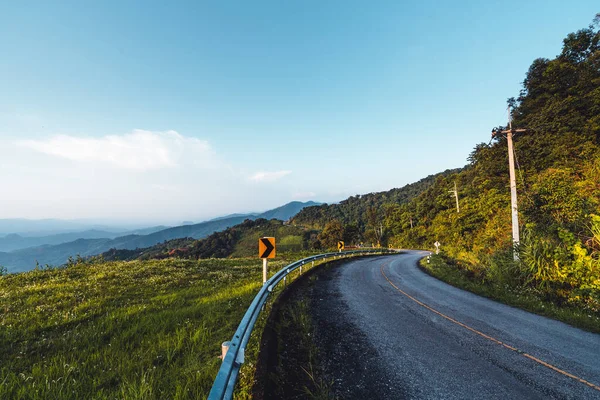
x=304, y=195
x=166, y=188
x=264, y=176
x=139, y=150
x=164, y=177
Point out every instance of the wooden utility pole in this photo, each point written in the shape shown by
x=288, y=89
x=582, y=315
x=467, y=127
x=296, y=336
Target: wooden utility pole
x=455, y=193
x=513, y=180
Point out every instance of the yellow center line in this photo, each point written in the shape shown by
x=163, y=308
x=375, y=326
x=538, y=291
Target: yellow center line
x=529, y=356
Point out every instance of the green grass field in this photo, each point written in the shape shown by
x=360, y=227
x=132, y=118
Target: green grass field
x=126, y=330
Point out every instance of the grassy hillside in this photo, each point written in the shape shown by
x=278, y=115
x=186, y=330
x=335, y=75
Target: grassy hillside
x=140, y=329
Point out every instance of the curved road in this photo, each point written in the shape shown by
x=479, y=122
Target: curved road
x=404, y=334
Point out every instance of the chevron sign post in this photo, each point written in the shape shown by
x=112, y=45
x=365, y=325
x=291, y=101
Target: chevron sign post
x=266, y=250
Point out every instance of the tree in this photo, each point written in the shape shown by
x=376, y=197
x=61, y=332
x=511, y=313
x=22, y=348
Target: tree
x=375, y=227
x=331, y=234
x=351, y=234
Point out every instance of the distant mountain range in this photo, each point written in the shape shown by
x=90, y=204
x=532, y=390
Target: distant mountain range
x=46, y=227
x=57, y=254
x=15, y=241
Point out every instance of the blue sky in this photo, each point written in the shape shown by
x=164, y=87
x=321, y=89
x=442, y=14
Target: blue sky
x=170, y=111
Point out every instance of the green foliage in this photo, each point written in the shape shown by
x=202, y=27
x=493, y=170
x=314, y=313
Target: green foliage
x=594, y=241
x=353, y=211
x=555, y=200
x=564, y=267
x=537, y=255
x=291, y=243
x=558, y=171
x=159, y=251
x=502, y=269
x=352, y=235
x=331, y=234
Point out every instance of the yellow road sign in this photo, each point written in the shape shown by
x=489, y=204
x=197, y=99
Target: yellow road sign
x=340, y=245
x=266, y=247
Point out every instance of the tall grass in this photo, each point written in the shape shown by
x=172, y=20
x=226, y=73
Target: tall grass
x=134, y=330
x=502, y=284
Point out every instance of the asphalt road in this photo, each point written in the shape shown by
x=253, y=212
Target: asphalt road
x=388, y=330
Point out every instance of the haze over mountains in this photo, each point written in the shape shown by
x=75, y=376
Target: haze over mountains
x=16, y=241
x=45, y=227
x=56, y=249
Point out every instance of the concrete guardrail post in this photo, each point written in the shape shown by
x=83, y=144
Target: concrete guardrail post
x=224, y=349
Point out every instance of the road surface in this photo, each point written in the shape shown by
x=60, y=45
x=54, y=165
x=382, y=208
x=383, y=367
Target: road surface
x=388, y=330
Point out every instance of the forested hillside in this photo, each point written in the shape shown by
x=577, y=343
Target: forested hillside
x=360, y=214
x=558, y=174
x=238, y=241
x=558, y=161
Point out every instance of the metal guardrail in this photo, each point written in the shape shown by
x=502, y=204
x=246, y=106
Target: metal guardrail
x=226, y=379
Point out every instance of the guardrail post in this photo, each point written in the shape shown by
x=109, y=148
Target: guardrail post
x=265, y=269
x=224, y=349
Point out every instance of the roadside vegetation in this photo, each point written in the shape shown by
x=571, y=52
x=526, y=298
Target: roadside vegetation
x=528, y=297
x=136, y=330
